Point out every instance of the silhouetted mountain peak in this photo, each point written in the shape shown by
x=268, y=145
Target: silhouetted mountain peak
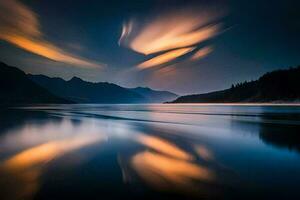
x=44, y=77
x=81, y=91
x=76, y=79
x=17, y=87
x=143, y=89
x=10, y=69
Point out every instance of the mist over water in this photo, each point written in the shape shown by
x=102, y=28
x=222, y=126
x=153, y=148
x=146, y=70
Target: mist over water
x=157, y=151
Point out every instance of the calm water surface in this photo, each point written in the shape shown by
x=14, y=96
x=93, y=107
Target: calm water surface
x=150, y=152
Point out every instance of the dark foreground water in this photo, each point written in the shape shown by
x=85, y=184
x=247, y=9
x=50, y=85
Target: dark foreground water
x=150, y=152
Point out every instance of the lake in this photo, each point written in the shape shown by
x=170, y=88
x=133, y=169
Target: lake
x=159, y=151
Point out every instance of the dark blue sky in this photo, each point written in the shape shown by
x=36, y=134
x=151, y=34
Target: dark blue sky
x=252, y=37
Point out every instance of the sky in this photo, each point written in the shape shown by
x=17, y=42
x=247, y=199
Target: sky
x=176, y=45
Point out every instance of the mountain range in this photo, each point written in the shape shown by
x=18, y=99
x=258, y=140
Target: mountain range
x=275, y=86
x=17, y=88
x=80, y=91
x=20, y=88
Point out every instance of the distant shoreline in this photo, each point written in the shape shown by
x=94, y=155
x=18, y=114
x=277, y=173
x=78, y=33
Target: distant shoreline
x=171, y=104
x=237, y=104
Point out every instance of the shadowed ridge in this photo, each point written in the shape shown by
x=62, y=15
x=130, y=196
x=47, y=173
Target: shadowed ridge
x=17, y=88
x=82, y=91
x=276, y=86
x=155, y=96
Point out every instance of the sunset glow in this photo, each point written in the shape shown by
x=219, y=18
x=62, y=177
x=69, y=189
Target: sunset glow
x=164, y=58
x=149, y=99
x=169, y=32
x=20, y=26
x=201, y=53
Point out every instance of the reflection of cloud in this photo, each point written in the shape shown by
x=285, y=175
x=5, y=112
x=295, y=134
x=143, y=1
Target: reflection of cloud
x=162, y=146
x=20, y=26
x=165, y=166
x=30, y=135
x=21, y=172
x=164, y=172
x=204, y=152
x=170, y=31
x=26, y=167
x=48, y=151
x=166, y=57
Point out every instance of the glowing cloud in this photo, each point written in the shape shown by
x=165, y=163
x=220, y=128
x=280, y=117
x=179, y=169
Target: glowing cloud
x=126, y=30
x=201, y=53
x=19, y=25
x=172, y=40
x=164, y=58
x=171, y=31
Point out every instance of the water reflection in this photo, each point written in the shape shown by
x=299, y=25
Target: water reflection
x=166, y=167
x=157, y=151
x=162, y=146
x=281, y=136
x=26, y=166
x=204, y=152
x=40, y=144
x=167, y=173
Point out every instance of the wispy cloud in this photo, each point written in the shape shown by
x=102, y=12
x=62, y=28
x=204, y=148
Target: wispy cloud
x=20, y=26
x=201, y=53
x=166, y=57
x=168, y=32
x=126, y=30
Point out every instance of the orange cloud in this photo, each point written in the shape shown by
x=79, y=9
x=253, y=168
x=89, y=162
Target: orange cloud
x=19, y=25
x=201, y=53
x=164, y=58
x=173, y=30
x=171, y=40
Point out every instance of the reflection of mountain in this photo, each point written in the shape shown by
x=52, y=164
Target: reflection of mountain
x=278, y=130
x=157, y=160
x=81, y=91
x=281, y=85
x=14, y=118
x=16, y=87
x=282, y=132
x=281, y=136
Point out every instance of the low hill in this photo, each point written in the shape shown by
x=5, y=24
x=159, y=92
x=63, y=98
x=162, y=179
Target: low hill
x=276, y=86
